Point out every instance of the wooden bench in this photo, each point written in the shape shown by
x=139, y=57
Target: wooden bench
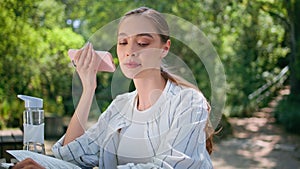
x=10, y=139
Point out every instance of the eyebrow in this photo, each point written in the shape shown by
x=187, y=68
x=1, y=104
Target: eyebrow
x=138, y=35
x=145, y=34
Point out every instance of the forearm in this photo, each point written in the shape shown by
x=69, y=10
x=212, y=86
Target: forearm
x=79, y=119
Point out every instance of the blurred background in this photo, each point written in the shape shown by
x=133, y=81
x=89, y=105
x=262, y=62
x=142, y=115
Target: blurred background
x=257, y=41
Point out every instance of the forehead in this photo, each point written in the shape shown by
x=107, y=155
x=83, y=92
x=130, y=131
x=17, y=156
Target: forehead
x=136, y=24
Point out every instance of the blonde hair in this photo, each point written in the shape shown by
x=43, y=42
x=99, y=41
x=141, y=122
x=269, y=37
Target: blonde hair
x=163, y=30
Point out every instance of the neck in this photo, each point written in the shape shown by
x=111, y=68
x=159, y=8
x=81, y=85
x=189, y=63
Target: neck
x=149, y=90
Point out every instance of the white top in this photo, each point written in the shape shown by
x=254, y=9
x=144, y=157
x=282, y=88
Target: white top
x=134, y=146
x=168, y=135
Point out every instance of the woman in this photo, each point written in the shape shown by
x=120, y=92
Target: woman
x=162, y=124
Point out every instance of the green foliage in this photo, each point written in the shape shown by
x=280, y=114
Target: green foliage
x=34, y=57
x=288, y=113
x=250, y=47
x=248, y=38
x=251, y=38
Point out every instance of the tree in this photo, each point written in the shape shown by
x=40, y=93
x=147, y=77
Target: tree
x=250, y=37
x=33, y=57
x=248, y=40
x=293, y=8
x=288, y=111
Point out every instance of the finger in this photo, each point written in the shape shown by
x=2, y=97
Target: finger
x=34, y=164
x=83, y=55
x=21, y=164
x=89, y=55
x=76, y=57
x=96, y=60
x=28, y=162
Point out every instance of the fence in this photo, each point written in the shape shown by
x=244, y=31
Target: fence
x=277, y=82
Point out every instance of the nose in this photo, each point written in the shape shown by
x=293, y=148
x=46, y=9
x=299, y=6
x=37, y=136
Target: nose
x=130, y=50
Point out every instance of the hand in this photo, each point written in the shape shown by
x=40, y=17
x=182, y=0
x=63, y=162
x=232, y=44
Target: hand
x=87, y=62
x=28, y=163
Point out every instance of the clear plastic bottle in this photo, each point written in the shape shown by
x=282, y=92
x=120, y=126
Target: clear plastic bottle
x=33, y=124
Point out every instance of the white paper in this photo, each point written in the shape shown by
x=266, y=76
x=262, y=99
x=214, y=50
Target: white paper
x=43, y=160
x=33, y=133
x=6, y=165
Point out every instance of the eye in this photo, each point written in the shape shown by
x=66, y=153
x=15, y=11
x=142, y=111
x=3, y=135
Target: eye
x=143, y=44
x=122, y=43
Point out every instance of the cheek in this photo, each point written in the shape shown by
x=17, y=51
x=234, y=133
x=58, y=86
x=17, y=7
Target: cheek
x=152, y=56
x=119, y=53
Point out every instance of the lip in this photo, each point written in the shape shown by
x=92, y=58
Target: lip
x=132, y=65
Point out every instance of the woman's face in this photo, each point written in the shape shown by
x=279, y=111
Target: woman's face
x=139, y=47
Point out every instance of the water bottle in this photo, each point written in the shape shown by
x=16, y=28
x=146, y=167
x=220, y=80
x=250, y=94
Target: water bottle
x=33, y=124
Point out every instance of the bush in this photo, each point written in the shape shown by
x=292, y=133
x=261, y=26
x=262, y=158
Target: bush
x=287, y=113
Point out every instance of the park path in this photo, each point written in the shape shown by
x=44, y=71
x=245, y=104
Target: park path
x=258, y=143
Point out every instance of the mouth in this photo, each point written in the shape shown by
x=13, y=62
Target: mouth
x=132, y=65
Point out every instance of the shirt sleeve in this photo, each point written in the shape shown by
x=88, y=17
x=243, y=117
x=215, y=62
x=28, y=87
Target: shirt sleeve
x=184, y=145
x=85, y=151
x=82, y=151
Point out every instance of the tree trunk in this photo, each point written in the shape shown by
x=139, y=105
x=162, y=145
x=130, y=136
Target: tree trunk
x=294, y=16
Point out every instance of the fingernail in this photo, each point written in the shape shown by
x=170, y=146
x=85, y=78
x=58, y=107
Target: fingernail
x=74, y=64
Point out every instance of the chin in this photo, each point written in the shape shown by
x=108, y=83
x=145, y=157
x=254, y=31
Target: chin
x=129, y=76
x=130, y=73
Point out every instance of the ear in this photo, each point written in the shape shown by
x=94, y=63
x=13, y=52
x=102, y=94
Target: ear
x=166, y=48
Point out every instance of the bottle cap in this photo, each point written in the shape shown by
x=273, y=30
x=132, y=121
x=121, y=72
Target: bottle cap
x=31, y=102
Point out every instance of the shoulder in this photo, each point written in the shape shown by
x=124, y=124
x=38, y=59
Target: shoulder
x=188, y=105
x=182, y=93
